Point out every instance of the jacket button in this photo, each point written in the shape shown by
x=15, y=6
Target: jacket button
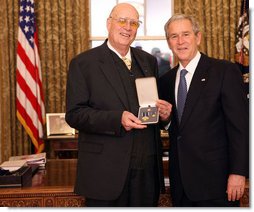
x=179, y=137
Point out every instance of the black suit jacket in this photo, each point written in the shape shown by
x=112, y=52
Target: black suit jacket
x=95, y=102
x=212, y=140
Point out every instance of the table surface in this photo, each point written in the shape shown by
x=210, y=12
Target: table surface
x=56, y=177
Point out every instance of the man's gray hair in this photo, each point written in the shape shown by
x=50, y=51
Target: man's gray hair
x=176, y=17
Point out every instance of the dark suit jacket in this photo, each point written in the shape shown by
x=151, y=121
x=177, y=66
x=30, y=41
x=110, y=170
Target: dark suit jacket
x=95, y=102
x=212, y=140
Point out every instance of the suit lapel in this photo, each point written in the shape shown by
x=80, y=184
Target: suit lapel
x=111, y=73
x=198, y=83
x=146, y=69
x=172, y=92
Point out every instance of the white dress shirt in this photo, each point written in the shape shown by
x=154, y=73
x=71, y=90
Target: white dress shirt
x=128, y=55
x=191, y=67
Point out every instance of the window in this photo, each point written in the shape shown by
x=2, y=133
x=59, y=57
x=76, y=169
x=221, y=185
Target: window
x=153, y=14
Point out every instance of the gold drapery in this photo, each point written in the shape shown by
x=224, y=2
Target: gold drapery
x=218, y=21
x=63, y=31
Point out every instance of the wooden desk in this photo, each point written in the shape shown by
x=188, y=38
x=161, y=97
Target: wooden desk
x=53, y=187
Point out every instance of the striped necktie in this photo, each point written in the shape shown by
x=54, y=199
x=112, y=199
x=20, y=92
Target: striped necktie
x=182, y=93
x=127, y=62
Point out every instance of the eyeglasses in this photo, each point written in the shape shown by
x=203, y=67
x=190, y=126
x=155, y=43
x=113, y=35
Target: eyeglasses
x=122, y=22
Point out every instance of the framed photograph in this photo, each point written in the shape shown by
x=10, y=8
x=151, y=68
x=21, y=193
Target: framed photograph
x=57, y=126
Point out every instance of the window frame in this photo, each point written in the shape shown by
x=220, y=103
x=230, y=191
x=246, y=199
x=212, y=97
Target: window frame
x=145, y=37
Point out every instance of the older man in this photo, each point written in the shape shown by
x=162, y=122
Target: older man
x=119, y=159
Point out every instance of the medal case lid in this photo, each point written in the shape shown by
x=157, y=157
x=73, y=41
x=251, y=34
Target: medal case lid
x=147, y=91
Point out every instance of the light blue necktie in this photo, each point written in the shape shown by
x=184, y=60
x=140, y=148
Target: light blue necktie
x=181, y=94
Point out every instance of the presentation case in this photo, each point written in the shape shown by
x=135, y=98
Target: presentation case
x=147, y=96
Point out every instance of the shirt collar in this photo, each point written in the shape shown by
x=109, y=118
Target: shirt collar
x=128, y=55
x=191, y=67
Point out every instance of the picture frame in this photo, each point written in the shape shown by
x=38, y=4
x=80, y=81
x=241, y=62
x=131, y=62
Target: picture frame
x=57, y=126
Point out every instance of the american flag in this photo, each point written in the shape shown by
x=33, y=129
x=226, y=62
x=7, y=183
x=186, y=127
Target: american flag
x=29, y=101
x=243, y=41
